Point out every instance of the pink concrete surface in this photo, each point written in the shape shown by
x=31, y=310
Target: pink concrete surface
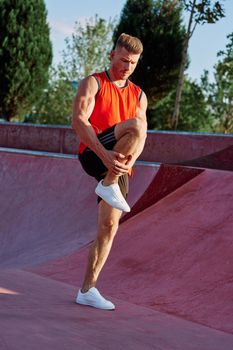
x=47, y=138
x=170, y=146
x=167, y=180
x=48, y=207
x=175, y=256
x=43, y=315
x=169, y=272
x=222, y=159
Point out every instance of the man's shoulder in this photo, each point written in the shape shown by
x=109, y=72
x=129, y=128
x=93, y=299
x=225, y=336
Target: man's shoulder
x=99, y=74
x=89, y=83
x=100, y=78
x=135, y=87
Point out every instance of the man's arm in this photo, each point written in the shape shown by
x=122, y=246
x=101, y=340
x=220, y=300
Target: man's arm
x=141, y=109
x=83, y=106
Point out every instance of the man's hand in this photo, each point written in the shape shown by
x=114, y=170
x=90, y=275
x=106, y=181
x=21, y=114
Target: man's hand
x=116, y=162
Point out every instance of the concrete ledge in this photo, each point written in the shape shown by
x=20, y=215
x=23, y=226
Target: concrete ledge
x=47, y=138
x=161, y=146
x=170, y=147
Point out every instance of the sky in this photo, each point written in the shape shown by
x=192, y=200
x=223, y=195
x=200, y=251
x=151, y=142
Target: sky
x=206, y=41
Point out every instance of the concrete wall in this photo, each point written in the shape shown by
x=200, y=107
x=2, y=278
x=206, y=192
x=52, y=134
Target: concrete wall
x=161, y=146
x=180, y=146
x=57, y=139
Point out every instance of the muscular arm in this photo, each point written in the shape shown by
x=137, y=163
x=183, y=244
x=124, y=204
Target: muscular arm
x=141, y=109
x=141, y=114
x=83, y=106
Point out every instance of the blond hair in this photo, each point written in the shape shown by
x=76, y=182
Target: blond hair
x=130, y=43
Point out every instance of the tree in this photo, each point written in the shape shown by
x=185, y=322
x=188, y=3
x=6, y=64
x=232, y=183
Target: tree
x=54, y=106
x=194, y=114
x=25, y=54
x=202, y=11
x=89, y=48
x=219, y=93
x=86, y=51
x=159, y=26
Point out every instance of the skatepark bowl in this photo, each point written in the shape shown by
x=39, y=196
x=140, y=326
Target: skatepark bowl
x=170, y=270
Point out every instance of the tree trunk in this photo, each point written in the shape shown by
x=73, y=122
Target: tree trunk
x=175, y=116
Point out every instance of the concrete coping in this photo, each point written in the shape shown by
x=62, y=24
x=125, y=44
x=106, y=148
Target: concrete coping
x=169, y=132
x=60, y=155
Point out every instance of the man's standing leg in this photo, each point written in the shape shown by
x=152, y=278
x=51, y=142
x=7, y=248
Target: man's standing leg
x=108, y=222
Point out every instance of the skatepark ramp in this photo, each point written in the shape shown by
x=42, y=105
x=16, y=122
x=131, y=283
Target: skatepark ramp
x=169, y=272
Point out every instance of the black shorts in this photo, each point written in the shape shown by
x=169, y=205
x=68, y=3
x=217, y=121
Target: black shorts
x=94, y=166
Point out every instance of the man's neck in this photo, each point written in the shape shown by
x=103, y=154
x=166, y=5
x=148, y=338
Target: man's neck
x=119, y=83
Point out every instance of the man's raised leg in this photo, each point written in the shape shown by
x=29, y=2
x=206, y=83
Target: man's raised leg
x=130, y=136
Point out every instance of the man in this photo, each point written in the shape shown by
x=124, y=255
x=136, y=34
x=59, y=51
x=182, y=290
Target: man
x=109, y=116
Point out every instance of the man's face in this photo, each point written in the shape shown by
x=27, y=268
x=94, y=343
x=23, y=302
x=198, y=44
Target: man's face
x=123, y=63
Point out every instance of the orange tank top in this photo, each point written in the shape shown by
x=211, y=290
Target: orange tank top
x=112, y=104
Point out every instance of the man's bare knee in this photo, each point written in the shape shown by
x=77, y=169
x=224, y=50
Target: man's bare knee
x=108, y=225
x=107, y=231
x=135, y=128
x=140, y=126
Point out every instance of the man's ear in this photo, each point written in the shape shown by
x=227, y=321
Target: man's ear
x=112, y=54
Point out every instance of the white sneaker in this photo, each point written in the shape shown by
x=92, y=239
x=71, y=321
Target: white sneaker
x=112, y=195
x=93, y=298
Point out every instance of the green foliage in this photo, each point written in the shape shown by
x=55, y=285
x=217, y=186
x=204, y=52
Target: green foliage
x=204, y=11
x=25, y=54
x=88, y=49
x=55, y=105
x=86, y=52
x=159, y=26
x=194, y=114
x=219, y=94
